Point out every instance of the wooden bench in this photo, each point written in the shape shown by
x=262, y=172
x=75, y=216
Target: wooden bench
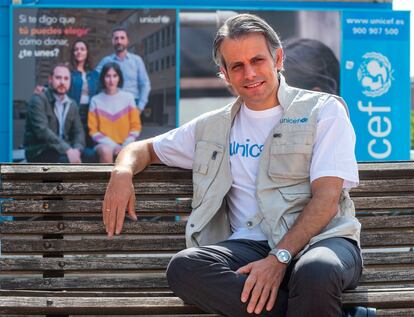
x=56, y=259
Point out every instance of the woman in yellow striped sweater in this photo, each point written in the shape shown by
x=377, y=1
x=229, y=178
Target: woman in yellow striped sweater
x=113, y=118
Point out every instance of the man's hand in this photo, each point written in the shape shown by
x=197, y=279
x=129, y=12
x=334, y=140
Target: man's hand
x=74, y=156
x=119, y=196
x=262, y=284
x=39, y=89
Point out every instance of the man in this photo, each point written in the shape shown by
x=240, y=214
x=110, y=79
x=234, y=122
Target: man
x=54, y=131
x=136, y=79
x=272, y=230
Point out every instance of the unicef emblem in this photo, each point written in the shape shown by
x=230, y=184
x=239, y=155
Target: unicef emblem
x=375, y=74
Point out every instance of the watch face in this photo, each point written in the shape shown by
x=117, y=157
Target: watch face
x=283, y=256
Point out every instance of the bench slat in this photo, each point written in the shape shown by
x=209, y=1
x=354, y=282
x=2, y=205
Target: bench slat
x=388, y=298
x=391, y=223
x=84, y=305
x=178, y=206
x=384, y=186
x=371, y=277
x=86, y=172
x=155, y=262
x=388, y=258
x=138, y=281
x=387, y=222
x=86, y=263
x=90, y=206
x=387, y=276
x=151, y=305
x=24, y=189
x=383, y=202
x=387, y=238
x=89, y=227
x=153, y=243
x=386, y=170
x=120, y=244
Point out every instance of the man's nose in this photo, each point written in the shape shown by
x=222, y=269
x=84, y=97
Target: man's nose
x=249, y=72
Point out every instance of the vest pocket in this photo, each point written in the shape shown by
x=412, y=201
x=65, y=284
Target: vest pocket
x=207, y=160
x=290, y=161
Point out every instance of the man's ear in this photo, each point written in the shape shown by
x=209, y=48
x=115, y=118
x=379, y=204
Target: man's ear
x=279, y=59
x=225, y=75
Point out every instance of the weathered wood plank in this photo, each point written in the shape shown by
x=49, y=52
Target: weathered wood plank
x=384, y=275
x=388, y=258
x=92, y=206
x=383, y=202
x=86, y=172
x=167, y=305
x=388, y=187
x=383, y=170
x=59, y=189
x=94, y=305
x=155, y=262
x=89, y=227
x=387, y=238
x=163, y=243
x=21, y=189
x=119, y=244
x=393, y=222
x=387, y=298
x=395, y=312
x=167, y=206
x=85, y=264
x=138, y=281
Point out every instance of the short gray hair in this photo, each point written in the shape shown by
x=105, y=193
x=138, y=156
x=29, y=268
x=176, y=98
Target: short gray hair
x=240, y=25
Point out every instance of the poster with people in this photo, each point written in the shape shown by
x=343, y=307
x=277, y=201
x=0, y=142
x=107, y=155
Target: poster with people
x=87, y=82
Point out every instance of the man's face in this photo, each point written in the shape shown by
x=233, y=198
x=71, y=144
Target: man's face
x=120, y=41
x=251, y=70
x=60, y=80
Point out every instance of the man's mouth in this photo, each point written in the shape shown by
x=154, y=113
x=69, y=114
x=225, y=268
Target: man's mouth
x=254, y=85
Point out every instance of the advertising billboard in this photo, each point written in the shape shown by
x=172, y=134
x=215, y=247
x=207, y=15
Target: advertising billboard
x=376, y=82
x=141, y=41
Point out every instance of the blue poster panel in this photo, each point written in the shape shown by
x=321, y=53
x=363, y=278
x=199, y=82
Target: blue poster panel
x=375, y=82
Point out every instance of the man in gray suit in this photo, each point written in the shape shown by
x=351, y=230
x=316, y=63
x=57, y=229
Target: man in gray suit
x=54, y=130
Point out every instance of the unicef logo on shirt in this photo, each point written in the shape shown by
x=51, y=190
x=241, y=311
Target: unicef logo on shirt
x=375, y=74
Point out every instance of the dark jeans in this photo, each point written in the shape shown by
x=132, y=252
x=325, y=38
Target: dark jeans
x=88, y=155
x=312, y=286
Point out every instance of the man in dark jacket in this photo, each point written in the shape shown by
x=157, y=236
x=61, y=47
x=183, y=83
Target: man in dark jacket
x=54, y=130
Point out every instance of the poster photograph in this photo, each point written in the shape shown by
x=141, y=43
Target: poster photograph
x=311, y=42
x=87, y=82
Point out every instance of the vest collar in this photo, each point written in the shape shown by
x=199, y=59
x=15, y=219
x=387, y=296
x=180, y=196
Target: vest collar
x=285, y=93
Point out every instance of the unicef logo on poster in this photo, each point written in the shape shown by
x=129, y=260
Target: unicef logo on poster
x=375, y=74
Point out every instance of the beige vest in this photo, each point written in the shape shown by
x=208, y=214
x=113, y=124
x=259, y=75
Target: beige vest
x=282, y=184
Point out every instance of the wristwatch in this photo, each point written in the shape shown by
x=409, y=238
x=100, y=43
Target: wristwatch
x=282, y=255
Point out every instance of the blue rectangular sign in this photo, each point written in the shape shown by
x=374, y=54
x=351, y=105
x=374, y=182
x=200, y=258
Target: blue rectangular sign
x=375, y=82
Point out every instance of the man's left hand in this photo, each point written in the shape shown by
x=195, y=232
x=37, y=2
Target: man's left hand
x=262, y=284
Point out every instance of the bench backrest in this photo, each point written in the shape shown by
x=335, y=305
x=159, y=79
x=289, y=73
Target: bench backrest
x=57, y=241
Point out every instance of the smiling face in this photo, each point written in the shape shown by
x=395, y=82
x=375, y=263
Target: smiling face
x=251, y=70
x=80, y=51
x=60, y=80
x=111, y=81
